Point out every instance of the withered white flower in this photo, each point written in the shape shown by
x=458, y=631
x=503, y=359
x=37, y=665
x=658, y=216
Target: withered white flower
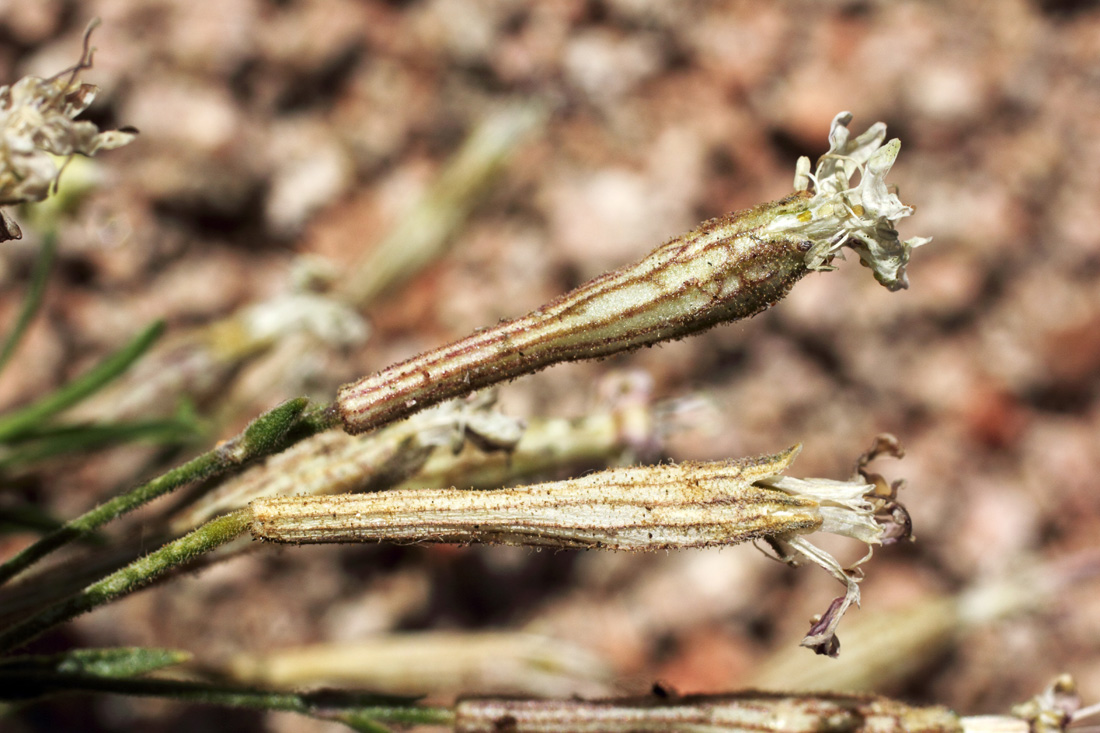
x=37, y=123
x=862, y=216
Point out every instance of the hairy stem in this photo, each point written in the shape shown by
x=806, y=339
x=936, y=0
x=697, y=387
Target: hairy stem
x=130, y=578
x=266, y=434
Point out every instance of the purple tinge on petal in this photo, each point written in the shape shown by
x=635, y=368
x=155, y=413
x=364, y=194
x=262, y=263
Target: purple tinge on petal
x=822, y=635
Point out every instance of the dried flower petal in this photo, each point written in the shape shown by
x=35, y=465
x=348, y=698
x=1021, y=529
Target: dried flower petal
x=37, y=123
x=861, y=216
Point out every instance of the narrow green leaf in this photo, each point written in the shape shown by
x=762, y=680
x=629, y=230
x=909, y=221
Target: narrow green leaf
x=37, y=445
x=360, y=711
x=115, y=662
x=41, y=273
x=69, y=394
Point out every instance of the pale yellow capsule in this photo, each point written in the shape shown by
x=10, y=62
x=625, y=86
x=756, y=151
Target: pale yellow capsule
x=752, y=712
x=636, y=508
x=672, y=506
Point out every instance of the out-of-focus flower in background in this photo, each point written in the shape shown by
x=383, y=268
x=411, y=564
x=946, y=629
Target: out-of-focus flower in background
x=38, y=126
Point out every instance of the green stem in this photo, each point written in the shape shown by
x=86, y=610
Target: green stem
x=33, y=301
x=104, y=662
x=194, y=470
x=137, y=574
x=329, y=704
x=269, y=433
x=76, y=390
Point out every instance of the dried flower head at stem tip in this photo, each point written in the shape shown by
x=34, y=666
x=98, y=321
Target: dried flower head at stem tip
x=862, y=216
x=37, y=122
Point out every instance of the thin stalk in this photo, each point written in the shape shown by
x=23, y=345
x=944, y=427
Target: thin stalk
x=73, y=439
x=130, y=578
x=76, y=390
x=351, y=708
x=40, y=275
x=265, y=435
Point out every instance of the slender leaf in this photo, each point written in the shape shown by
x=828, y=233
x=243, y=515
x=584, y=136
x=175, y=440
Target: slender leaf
x=41, y=273
x=69, y=394
x=113, y=662
x=70, y=439
x=269, y=432
x=361, y=711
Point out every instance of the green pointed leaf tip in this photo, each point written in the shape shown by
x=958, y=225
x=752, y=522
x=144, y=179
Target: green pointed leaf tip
x=118, y=662
x=264, y=434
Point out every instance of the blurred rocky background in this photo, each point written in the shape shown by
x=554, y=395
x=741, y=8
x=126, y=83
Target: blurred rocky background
x=283, y=143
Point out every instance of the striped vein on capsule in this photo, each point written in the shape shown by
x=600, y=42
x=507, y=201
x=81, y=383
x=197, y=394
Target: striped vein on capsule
x=725, y=269
x=637, y=508
x=751, y=712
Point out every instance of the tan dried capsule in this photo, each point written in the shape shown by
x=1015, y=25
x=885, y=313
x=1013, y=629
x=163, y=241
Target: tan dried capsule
x=752, y=712
x=636, y=508
x=1051, y=711
x=728, y=268
x=724, y=270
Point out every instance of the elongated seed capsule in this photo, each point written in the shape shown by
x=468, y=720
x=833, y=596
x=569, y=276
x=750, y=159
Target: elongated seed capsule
x=1051, y=711
x=727, y=268
x=636, y=508
x=752, y=712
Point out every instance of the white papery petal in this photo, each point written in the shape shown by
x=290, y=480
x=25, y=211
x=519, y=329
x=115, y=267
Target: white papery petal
x=36, y=122
x=861, y=216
